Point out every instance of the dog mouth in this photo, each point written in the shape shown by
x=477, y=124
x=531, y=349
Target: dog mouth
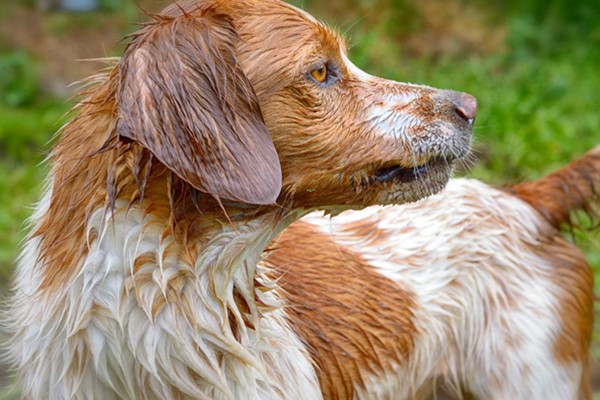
x=401, y=174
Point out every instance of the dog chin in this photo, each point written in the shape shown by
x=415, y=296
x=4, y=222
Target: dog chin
x=427, y=182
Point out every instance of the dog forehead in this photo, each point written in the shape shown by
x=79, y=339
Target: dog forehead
x=280, y=27
x=279, y=43
x=240, y=9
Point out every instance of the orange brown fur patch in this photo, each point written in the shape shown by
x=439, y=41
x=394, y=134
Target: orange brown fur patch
x=354, y=321
x=573, y=187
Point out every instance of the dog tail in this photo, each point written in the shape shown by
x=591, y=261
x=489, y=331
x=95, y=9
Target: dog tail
x=571, y=188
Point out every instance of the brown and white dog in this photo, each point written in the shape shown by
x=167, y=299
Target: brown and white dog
x=223, y=122
x=473, y=289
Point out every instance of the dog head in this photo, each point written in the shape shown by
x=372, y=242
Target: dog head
x=255, y=101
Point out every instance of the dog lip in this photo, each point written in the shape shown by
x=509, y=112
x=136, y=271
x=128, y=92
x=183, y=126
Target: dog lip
x=398, y=173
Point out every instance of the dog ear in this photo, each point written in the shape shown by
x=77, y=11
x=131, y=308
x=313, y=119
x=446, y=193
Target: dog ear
x=183, y=95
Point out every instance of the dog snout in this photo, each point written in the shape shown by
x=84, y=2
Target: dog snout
x=465, y=106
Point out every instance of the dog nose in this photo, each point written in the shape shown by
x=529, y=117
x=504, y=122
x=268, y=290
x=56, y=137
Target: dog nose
x=465, y=106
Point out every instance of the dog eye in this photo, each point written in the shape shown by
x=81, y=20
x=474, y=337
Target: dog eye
x=319, y=74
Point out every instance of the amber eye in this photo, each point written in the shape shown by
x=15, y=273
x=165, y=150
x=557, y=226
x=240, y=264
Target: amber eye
x=319, y=73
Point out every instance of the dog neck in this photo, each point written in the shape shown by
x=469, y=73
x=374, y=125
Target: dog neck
x=230, y=252
x=181, y=268
x=120, y=177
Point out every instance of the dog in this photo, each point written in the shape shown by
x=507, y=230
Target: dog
x=473, y=291
x=222, y=123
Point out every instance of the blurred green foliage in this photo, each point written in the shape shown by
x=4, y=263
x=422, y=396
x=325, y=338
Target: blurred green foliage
x=27, y=121
x=18, y=80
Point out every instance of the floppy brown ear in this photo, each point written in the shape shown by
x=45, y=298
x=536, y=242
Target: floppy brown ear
x=183, y=96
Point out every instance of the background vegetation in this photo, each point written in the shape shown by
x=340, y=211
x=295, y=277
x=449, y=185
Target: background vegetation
x=534, y=66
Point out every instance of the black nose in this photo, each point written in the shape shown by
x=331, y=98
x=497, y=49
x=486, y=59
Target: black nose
x=465, y=106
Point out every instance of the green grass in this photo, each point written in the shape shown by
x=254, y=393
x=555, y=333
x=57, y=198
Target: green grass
x=24, y=132
x=28, y=119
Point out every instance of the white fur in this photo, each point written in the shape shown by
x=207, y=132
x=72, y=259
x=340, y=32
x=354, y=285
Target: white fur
x=354, y=70
x=106, y=314
x=389, y=121
x=386, y=115
x=487, y=316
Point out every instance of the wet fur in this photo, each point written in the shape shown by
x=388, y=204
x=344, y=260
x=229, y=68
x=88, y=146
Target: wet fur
x=473, y=291
x=141, y=278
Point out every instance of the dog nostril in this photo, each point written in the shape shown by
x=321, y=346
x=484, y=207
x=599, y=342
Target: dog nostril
x=465, y=106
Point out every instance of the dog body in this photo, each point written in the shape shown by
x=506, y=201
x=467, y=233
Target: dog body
x=223, y=123
x=473, y=290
